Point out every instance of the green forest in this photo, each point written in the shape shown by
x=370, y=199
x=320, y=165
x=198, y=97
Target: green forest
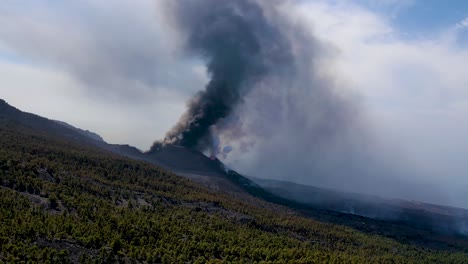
x=61, y=202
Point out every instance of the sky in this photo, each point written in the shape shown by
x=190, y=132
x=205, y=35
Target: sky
x=119, y=70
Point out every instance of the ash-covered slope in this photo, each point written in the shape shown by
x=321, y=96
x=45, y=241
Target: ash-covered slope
x=412, y=213
x=195, y=165
x=179, y=158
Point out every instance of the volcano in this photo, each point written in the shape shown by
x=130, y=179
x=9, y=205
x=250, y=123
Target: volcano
x=196, y=166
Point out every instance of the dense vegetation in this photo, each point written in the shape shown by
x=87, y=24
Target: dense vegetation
x=62, y=202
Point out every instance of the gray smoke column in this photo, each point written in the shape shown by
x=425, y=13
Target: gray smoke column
x=240, y=45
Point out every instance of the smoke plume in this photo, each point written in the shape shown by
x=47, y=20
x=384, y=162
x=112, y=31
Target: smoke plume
x=241, y=47
x=272, y=100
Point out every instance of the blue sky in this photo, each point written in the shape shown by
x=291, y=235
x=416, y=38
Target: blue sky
x=416, y=19
x=420, y=16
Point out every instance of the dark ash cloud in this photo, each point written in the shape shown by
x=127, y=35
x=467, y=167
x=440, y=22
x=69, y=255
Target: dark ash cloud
x=270, y=98
x=241, y=48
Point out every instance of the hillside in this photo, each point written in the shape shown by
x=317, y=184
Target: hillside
x=65, y=202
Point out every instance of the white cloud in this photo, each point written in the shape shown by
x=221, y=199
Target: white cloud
x=463, y=24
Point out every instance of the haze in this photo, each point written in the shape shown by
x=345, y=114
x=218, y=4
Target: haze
x=121, y=71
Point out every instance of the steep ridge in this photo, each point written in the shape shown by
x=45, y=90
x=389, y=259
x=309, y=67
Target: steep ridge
x=193, y=165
